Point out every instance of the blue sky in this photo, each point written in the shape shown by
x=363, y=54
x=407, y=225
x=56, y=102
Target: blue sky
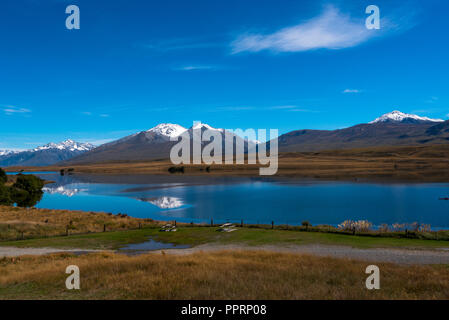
x=232, y=64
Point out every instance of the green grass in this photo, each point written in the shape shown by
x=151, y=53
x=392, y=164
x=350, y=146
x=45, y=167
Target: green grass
x=106, y=240
x=253, y=236
x=201, y=235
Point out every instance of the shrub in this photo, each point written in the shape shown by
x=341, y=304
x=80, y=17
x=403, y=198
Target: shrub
x=398, y=226
x=5, y=196
x=425, y=228
x=361, y=225
x=176, y=169
x=29, y=183
x=3, y=176
x=305, y=224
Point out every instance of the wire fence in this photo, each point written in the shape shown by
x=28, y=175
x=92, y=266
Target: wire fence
x=70, y=230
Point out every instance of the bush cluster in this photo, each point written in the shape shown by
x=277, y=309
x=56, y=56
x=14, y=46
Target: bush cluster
x=25, y=192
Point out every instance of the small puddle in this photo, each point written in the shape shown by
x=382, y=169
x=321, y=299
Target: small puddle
x=150, y=245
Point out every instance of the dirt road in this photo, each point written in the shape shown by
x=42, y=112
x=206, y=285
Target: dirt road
x=15, y=252
x=399, y=256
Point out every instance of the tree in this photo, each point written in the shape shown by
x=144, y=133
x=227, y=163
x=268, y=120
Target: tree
x=3, y=176
x=5, y=196
x=29, y=183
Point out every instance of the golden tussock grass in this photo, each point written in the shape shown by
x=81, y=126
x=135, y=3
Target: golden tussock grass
x=34, y=222
x=218, y=275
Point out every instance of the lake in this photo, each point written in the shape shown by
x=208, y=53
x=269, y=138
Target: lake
x=255, y=200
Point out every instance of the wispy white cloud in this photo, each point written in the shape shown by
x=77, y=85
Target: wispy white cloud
x=330, y=30
x=352, y=91
x=11, y=110
x=282, y=107
x=102, y=115
x=195, y=67
x=432, y=100
x=302, y=110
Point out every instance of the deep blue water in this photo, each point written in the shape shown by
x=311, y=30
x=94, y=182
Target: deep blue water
x=253, y=200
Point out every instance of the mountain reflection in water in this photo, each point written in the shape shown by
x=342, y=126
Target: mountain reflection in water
x=165, y=202
x=254, y=200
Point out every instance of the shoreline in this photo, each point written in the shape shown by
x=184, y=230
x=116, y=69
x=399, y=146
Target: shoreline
x=381, y=164
x=40, y=224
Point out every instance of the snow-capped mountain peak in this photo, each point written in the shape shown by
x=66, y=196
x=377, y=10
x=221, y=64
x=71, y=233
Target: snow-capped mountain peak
x=168, y=129
x=205, y=126
x=200, y=125
x=398, y=116
x=165, y=202
x=66, y=145
x=48, y=154
x=7, y=152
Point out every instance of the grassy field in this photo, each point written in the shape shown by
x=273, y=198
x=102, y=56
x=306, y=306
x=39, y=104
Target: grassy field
x=205, y=275
x=33, y=227
x=422, y=164
x=201, y=235
x=218, y=275
x=17, y=223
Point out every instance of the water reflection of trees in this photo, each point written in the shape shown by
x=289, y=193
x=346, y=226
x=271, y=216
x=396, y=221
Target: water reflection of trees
x=30, y=200
x=22, y=190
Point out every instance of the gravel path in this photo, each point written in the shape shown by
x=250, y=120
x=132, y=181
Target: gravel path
x=15, y=252
x=399, y=256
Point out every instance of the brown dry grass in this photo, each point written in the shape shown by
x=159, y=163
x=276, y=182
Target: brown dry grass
x=219, y=275
x=34, y=222
x=430, y=163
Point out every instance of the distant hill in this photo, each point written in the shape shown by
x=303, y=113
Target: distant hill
x=391, y=129
x=45, y=155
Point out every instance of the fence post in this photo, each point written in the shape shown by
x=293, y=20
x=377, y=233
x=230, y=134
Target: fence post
x=104, y=228
x=175, y=223
x=272, y=224
x=241, y=225
x=211, y=222
x=67, y=230
x=140, y=225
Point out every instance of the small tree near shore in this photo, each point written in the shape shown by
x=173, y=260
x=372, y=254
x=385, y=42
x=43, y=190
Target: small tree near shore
x=3, y=176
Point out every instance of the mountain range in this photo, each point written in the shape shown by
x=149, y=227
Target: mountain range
x=391, y=129
x=152, y=144
x=44, y=155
